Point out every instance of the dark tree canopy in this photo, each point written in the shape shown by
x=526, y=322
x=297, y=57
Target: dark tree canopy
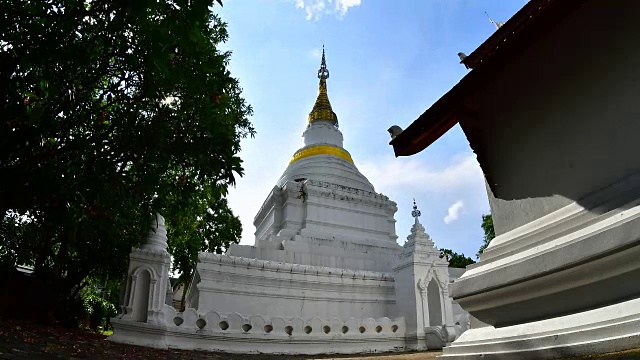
x=112, y=110
x=456, y=260
x=489, y=232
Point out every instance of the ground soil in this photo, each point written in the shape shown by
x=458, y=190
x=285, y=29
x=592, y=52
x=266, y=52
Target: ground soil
x=19, y=340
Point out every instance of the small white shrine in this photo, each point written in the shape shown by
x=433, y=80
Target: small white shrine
x=325, y=275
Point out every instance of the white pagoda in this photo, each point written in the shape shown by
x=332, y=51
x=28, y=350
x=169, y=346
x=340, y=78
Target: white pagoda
x=325, y=275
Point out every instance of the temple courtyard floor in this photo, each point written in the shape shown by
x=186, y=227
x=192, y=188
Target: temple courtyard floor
x=23, y=341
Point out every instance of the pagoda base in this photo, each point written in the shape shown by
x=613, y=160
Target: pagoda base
x=608, y=329
x=235, y=333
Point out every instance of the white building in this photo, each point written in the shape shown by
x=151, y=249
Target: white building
x=550, y=107
x=325, y=275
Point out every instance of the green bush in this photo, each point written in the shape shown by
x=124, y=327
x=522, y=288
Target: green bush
x=98, y=310
x=73, y=312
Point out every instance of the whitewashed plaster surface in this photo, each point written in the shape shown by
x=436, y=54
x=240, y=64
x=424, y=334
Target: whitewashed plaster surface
x=322, y=309
x=252, y=286
x=249, y=305
x=561, y=277
x=325, y=275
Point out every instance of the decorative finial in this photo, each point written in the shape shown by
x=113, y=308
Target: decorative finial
x=323, y=72
x=497, y=24
x=322, y=108
x=157, y=238
x=415, y=213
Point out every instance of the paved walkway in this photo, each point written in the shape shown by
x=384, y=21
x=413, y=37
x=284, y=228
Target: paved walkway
x=430, y=355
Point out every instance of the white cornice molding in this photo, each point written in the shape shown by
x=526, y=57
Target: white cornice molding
x=573, y=216
x=293, y=268
x=274, y=195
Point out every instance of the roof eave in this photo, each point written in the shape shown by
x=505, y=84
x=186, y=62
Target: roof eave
x=534, y=19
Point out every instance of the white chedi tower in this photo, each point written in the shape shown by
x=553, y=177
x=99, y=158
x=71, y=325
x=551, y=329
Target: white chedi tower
x=147, y=278
x=422, y=290
x=323, y=157
x=325, y=275
x=322, y=208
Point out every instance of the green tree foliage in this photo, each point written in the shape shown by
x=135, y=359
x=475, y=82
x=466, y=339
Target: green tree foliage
x=99, y=302
x=489, y=233
x=213, y=220
x=112, y=110
x=456, y=260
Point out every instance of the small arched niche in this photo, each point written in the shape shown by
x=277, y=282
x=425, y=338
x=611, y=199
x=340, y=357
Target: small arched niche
x=435, y=307
x=141, y=296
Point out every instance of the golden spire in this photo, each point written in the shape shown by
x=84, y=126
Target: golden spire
x=322, y=108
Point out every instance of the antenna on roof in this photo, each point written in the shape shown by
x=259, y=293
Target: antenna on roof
x=497, y=24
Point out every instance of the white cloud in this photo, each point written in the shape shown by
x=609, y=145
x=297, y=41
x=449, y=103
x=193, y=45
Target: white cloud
x=342, y=6
x=316, y=53
x=413, y=174
x=454, y=212
x=316, y=8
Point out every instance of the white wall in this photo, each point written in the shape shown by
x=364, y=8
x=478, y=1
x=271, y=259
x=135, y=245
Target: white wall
x=231, y=284
x=562, y=120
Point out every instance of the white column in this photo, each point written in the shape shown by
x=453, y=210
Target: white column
x=425, y=310
x=448, y=311
x=132, y=290
x=153, y=296
x=442, y=307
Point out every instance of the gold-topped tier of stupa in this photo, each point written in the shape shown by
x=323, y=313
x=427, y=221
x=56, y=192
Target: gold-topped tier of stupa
x=322, y=108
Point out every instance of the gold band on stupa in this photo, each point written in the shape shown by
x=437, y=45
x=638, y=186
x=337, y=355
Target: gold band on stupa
x=321, y=150
x=322, y=107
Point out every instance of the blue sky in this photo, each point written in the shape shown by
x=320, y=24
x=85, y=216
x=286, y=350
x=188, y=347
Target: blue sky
x=389, y=61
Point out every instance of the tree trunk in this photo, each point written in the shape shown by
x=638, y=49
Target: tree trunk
x=186, y=282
